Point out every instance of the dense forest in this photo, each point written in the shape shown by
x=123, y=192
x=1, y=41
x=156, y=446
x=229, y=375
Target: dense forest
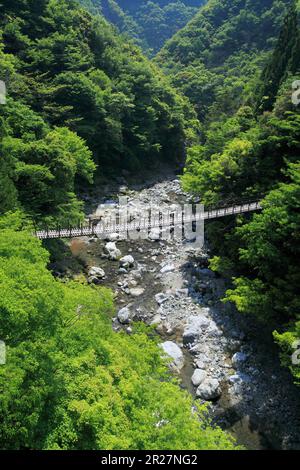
x=84, y=101
x=75, y=90
x=149, y=23
x=242, y=87
x=70, y=382
x=78, y=99
x=217, y=56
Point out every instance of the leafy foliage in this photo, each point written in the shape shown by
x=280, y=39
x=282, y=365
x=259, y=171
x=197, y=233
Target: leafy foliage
x=70, y=382
x=222, y=51
x=78, y=97
x=149, y=23
x=251, y=150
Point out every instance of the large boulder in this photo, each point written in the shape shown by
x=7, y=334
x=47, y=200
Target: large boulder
x=112, y=237
x=168, y=268
x=127, y=262
x=173, y=351
x=95, y=275
x=136, y=291
x=195, y=327
x=112, y=251
x=198, y=377
x=124, y=315
x=209, y=390
x=238, y=358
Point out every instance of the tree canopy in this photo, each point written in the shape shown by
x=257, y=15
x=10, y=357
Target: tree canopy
x=149, y=23
x=251, y=150
x=71, y=382
x=78, y=98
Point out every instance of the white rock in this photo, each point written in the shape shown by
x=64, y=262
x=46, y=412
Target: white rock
x=234, y=379
x=136, y=291
x=168, y=268
x=209, y=390
x=113, y=252
x=127, y=261
x=196, y=325
x=122, y=271
x=202, y=363
x=154, y=234
x=124, y=315
x=112, y=237
x=238, y=358
x=94, y=271
x=198, y=377
x=239, y=378
x=174, y=352
x=95, y=275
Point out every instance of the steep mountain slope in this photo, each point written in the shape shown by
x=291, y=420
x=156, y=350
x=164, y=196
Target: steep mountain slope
x=113, y=12
x=150, y=23
x=218, y=53
x=78, y=96
x=250, y=149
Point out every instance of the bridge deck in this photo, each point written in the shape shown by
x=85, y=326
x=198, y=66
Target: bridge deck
x=144, y=224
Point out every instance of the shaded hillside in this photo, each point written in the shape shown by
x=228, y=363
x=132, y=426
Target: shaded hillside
x=213, y=59
x=150, y=23
x=78, y=96
x=250, y=149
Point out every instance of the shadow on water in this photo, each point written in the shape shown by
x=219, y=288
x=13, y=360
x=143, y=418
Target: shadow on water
x=227, y=416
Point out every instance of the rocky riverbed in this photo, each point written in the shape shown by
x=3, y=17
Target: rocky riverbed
x=223, y=358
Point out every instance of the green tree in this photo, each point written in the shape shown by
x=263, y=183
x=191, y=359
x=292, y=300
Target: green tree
x=284, y=59
x=71, y=382
x=271, y=242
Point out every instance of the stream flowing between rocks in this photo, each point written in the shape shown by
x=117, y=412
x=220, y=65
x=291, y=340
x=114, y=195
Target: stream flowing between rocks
x=223, y=358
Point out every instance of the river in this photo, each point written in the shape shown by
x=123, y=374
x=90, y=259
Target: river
x=255, y=399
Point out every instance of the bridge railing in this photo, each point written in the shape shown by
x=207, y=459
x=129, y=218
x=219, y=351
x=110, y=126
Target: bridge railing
x=238, y=209
x=109, y=226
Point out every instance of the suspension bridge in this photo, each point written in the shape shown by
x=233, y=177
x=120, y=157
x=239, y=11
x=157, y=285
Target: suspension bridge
x=169, y=220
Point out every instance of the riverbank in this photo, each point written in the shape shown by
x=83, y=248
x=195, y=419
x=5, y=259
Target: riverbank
x=231, y=360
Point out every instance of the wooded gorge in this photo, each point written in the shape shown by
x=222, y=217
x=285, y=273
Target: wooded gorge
x=76, y=90
x=249, y=148
x=96, y=90
x=149, y=23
